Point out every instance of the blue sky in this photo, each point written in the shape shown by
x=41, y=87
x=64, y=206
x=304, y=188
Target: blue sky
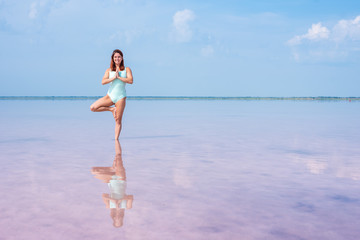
x=181, y=48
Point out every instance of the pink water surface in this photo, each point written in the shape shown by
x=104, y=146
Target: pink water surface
x=194, y=169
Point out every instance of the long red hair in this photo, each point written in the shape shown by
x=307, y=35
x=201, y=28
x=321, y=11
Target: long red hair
x=112, y=63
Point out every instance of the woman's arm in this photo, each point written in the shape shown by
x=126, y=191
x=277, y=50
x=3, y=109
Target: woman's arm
x=129, y=77
x=130, y=199
x=106, y=79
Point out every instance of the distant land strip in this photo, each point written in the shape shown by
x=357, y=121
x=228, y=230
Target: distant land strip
x=320, y=98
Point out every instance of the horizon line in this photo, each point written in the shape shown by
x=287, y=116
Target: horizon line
x=318, y=98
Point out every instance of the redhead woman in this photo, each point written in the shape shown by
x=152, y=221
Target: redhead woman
x=117, y=75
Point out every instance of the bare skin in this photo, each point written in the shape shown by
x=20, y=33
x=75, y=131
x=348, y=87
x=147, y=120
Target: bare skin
x=119, y=111
x=105, y=103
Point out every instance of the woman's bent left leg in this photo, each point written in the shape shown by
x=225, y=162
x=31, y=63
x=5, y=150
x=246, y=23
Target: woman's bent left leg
x=102, y=104
x=120, y=106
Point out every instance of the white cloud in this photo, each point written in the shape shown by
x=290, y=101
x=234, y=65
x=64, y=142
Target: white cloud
x=182, y=29
x=336, y=44
x=344, y=30
x=347, y=30
x=207, y=51
x=40, y=8
x=315, y=33
x=33, y=10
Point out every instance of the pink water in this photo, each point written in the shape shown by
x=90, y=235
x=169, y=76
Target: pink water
x=195, y=170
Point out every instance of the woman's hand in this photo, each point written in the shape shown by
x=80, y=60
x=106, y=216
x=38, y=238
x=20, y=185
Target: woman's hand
x=106, y=78
x=129, y=77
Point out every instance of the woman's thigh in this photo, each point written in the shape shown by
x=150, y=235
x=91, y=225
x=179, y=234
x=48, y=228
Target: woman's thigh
x=102, y=102
x=120, y=106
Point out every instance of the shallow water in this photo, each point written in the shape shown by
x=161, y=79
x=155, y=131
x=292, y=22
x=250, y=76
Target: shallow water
x=195, y=170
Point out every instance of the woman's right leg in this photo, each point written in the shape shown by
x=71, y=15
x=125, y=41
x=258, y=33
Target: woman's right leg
x=103, y=104
x=120, y=106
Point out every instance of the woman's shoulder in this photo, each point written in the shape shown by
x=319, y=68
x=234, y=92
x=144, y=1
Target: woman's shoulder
x=108, y=70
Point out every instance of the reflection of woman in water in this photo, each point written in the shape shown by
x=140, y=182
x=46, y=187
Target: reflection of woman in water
x=117, y=75
x=115, y=177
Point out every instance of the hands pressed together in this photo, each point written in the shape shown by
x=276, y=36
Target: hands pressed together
x=117, y=75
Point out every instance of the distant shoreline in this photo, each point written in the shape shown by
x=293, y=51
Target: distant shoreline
x=320, y=98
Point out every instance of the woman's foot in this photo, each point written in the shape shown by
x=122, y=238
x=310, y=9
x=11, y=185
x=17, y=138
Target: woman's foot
x=113, y=110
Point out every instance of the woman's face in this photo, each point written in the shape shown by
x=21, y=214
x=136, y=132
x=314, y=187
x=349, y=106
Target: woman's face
x=117, y=58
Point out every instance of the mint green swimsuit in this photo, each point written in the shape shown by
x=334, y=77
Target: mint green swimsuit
x=117, y=87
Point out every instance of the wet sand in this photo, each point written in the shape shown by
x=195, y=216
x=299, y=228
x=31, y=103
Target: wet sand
x=195, y=170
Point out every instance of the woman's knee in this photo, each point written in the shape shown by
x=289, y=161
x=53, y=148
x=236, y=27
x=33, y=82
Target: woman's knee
x=118, y=120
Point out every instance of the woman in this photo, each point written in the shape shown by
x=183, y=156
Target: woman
x=117, y=75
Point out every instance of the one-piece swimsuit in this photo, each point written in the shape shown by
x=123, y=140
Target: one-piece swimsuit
x=117, y=87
